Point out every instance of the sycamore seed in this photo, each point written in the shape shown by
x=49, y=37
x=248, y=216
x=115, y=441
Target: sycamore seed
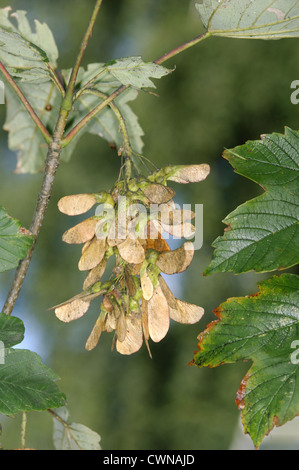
x=190, y=173
x=176, y=261
x=131, y=250
x=185, y=312
x=158, y=193
x=82, y=232
x=133, y=339
x=93, y=254
x=95, y=274
x=158, y=315
x=96, y=332
x=76, y=204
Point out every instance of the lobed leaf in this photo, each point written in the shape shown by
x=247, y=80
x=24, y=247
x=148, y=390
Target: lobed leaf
x=251, y=19
x=262, y=328
x=136, y=73
x=73, y=436
x=263, y=234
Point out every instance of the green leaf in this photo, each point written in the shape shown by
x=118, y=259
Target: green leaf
x=263, y=234
x=251, y=19
x=27, y=54
x=73, y=436
x=26, y=384
x=133, y=71
x=14, y=243
x=23, y=135
x=263, y=328
x=23, y=52
x=11, y=330
x=105, y=124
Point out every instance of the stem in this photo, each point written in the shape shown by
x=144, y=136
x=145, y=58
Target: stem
x=23, y=430
x=26, y=103
x=51, y=165
x=68, y=100
x=120, y=90
x=118, y=115
x=182, y=47
x=91, y=114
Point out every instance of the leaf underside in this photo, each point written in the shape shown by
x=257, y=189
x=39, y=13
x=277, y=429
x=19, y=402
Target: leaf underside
x=251, y=19
x=260, y=328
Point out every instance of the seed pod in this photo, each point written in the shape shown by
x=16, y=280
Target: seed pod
x=72, y=310
x=77, y=204
x=158, y=193
x=133, y=339
x=131, y=250
x=121, y=325
x=185, y=312
x=93, y=254
x=82, y=232
x=171, y=300
x=186, y=230
x=184, y=174
x=96, y=332
x=95, y=274
x=158, y=315
x=146, y=286
x=176, y=261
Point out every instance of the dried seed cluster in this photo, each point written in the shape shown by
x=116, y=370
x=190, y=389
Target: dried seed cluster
x=136, y=302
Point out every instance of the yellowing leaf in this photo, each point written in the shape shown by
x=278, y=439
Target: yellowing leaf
x=158, y=315
x=82, y=232
x=76, y=204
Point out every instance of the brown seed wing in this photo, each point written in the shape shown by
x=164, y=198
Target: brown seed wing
x=72, y=310
x=82, y=232
x=146, y=286
x=131, y=251
x=176, y=261
x=191, y=173
x=158, y=193
x=158, y=315
x=95, y=274
x=76, y=204
x=95, y=334
x=93, y=254
x=186, y=313
x=133, y=339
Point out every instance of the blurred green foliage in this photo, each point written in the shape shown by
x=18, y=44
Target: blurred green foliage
x=222, y=93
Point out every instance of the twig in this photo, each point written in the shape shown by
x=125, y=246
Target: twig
x=77, y=128
x=51, y=165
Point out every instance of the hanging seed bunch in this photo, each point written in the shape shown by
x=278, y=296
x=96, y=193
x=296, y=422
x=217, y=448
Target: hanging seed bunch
x=136, y=303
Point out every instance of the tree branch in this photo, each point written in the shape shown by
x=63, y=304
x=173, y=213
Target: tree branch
x=52, y=163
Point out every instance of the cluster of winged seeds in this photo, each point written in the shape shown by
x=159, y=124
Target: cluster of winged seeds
x=128, y=225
